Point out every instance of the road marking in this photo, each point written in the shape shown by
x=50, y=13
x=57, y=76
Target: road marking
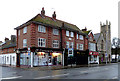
x=115, y=78
x=52, y=76
x=12, y=77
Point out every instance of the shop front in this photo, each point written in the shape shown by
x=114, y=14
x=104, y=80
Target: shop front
x=93, y=57
x=25, y=59
x=47, y=58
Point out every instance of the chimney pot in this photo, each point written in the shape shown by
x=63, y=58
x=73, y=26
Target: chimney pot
x=54, y=15
x=43, y=12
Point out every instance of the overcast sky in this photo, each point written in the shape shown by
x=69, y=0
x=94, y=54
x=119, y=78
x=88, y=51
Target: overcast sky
x=82, y=13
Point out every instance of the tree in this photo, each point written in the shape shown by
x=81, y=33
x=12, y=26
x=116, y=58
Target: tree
x=116, y=45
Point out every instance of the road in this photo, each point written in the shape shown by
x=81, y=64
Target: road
x=100, y=72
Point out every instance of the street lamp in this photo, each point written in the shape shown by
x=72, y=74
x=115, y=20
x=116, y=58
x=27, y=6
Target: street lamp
x=18, y=57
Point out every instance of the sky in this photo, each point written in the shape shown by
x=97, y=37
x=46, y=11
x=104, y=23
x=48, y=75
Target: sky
x=83, y=13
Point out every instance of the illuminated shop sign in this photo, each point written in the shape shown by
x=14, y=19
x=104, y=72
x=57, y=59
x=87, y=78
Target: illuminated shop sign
x=93, y=53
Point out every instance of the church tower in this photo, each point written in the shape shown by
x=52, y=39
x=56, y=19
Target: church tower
x=106, y=30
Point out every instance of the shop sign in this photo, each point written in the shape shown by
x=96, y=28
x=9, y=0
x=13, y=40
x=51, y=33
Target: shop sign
x=93, y=53
x=70, y=52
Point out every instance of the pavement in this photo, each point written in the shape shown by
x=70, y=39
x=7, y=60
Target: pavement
x=58, y=67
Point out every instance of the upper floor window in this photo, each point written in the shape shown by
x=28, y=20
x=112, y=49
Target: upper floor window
x=77, y=46
x=55, y=44
x=67, y=33
x=71, y=45
x=90, y=38
x=67, y=44
x=92, y=46
x=77, y=36
x=18, y=32
x=81, y=47
x=55, y=31
x=41, y=28
x=41, y=42
x=24, y=30
x=24, y=42
x=72, y=34
x=81, y=37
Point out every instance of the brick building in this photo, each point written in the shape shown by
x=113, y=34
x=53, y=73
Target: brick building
x=7, y=51
x=45, y=40
x=93, y=55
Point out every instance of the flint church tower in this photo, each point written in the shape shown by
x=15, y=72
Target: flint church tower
x=106, y=30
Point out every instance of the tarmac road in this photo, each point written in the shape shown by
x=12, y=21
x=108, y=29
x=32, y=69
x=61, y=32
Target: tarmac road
x=100, y=72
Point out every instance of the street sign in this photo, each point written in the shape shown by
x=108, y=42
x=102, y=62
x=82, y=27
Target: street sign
x=70, y=52
x=28, y=53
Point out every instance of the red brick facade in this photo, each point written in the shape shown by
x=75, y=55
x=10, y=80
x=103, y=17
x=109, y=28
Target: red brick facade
x=33, y=34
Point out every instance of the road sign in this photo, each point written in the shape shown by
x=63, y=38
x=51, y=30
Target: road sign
x=70, y=52
x=105, y=54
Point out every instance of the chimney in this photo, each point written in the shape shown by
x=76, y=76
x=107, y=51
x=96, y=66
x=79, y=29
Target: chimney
x=13, y=39
x=43, y=12
x=6, y=39
x=84, y=29
x=54, y=15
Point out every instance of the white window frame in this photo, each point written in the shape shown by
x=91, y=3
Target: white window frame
x=24, y=30
x=42, y=42
x=67, y=33
x=24, y=42
x=81, y=37
x=72, y=34
x=55, y=31
x=67, y=44
x=55, y=44
x=77, y=36
x=81, y=46
x=41, y=28
x=77, y=46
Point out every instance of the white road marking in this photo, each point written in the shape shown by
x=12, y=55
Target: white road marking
x=12, y=77
x=115, y=78
x=52, y=76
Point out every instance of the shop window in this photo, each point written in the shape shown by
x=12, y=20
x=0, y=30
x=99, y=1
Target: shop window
x=7, y=59
x=67, y=33
x=72, y=34
x=67, y=44
x=24, y=30
x=24, y=42
x=55, y=31
x=41, y=28
x=41, y=42
x=55, y=44
x=13, y=59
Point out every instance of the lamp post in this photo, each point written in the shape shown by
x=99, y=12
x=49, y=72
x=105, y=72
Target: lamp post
x=18, y=57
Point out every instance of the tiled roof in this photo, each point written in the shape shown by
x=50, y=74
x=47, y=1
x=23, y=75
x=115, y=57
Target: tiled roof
x=96, y=36
x=87, y=32
x=51, y=22
x=8, y=46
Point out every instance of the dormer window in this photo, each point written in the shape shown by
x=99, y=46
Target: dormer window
x=24, y=30
x=41, y=28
